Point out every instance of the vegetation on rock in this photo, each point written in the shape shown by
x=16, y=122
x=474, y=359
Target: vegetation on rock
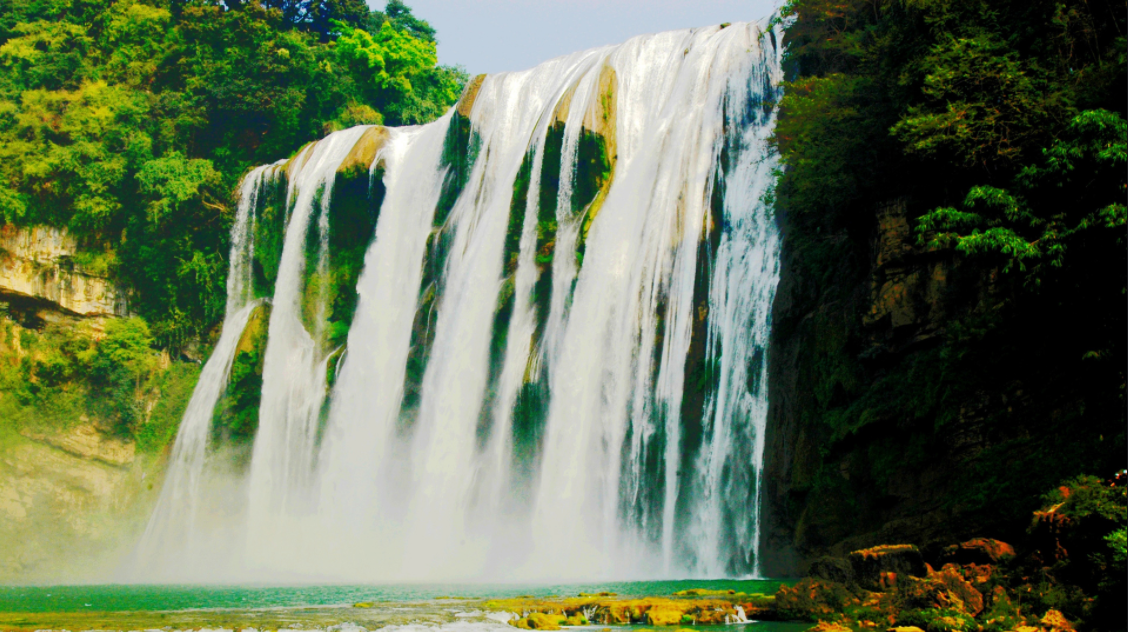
x=1064, y=574
x=101, y=371
x=130, y=122
x=949, y=334
x=692, y=607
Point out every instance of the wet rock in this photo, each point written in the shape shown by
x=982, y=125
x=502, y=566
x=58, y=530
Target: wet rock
x=362, y=154
x=879, y=568
x=470, y=94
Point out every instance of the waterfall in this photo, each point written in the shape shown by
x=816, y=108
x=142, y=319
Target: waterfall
x=557, y=302
x=175, y=517
x=294, y=375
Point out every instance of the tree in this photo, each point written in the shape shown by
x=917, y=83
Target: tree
x=1077, y=189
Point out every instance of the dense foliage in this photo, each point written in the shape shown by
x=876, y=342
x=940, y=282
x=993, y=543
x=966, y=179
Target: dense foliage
x=130, y=122
x=72, y=371
x=1011, y=115
x=998, y=128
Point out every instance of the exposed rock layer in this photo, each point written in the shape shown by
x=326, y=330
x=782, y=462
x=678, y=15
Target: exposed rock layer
x=38, y=262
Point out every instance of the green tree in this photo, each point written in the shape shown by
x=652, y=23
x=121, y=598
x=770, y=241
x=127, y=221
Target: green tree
x=1076, y=189
x=130, y=122
x=119, y=363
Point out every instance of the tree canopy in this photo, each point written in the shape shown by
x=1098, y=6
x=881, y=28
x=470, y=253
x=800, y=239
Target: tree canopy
x=130, y=122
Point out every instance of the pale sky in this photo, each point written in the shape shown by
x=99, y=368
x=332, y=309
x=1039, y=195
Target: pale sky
x=489, y=36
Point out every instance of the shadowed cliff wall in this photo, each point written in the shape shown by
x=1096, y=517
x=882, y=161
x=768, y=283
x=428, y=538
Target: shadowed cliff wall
x=916, y=397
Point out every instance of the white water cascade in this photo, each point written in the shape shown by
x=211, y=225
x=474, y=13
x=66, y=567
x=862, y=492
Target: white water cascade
x=556, y=365
x=175, y=518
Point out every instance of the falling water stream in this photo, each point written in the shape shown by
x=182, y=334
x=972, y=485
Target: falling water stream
x=555, y=369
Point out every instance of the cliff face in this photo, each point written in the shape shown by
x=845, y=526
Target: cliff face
x=74, y=490
x=917, y=397
x=71, y=501
x=38, y=262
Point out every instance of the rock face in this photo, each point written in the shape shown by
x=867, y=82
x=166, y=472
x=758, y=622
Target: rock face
x=70, y=503
x=881, y=566
x=86, y=442
x=978, y=551
x=37, y=262
x=900, y=410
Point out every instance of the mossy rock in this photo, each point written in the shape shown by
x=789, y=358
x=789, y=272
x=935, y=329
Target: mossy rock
x=542, y=621
x=875, y=567
x=364, y=151
x=665, y=615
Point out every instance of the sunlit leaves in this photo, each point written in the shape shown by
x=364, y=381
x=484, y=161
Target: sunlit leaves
x=134, y=38
x=387, y=60
x=75, y=148
x=172, y=181
x=131, y=121
x=12, y=206
x=981, y=104
x=45, y=54
x=1077, y=187
x=825, y=136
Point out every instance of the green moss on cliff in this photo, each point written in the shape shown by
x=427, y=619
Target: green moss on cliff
x=236, y=415
x=460, y=150
x=271, y=215
x=355, y=209
x=174, y=388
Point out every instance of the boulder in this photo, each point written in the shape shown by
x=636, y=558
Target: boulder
x=834, y=569
x=879, y=568
x=812, y=599
x=980, y=551
x=957, y=593
x=945, y=590
x=1055, y=621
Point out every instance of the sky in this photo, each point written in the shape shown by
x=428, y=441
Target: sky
x=490, y=36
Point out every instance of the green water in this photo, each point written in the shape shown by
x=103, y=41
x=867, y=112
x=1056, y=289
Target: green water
x=148, y=598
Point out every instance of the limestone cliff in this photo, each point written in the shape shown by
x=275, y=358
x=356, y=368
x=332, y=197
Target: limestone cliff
x=38, y=262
